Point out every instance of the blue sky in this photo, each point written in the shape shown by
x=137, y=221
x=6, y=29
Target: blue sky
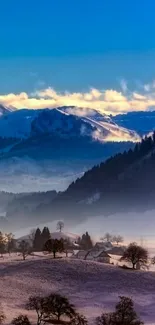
x=73, y=45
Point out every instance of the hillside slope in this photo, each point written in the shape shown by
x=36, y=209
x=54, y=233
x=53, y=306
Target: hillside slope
x=125, y=182
x=92, y=287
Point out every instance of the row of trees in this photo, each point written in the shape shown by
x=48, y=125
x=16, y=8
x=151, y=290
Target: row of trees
x=85, y=242
x=57, y=309
x=39, y=238
x=112, y=238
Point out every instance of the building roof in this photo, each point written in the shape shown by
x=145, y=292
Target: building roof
x=102, y=254
x=116, y=251
x=105, y=245
x=96, y=253
x=82, y=253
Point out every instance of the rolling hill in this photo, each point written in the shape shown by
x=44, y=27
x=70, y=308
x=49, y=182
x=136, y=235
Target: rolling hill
x=92, y=287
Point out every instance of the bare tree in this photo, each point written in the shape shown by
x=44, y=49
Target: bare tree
x=124, y=314
x=79, y=320
x=24, y=248
x=21, y=320
x=67, y=246
x=58, y=307
x=38, y=304
x=106, y=319
x=10, y=243
x=60, y=225
x=52, y=308
x=135, y=254
x=117, y=239
x=32, y=236
x=107, y=237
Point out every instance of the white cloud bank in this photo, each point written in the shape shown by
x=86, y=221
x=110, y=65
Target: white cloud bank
x=107, y=101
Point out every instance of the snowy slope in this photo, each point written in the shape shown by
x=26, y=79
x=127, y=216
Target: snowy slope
x=105, y=128
x=93, y=287
x=64, y=235
x=5, y=110
x=26, y=123
x=54, y=235
x=109, y=131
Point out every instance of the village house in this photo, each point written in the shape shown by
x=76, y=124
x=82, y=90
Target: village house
x=116, y=251
x=102, y=257
x=98, y=256
x=103, y=245
x=81, y=254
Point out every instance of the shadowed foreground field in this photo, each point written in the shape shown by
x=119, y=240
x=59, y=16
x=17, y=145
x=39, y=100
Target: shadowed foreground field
x=92, y=287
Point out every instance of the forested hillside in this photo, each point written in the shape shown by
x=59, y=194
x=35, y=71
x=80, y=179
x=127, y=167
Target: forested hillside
x=125, y=182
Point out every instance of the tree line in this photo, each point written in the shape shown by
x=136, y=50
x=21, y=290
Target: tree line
x=41, y=241
x=57, y=309
x=99, y=175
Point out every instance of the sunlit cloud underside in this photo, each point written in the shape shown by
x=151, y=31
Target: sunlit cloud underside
x=109, y=101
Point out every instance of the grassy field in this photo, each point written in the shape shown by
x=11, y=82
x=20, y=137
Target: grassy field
x=92, y=287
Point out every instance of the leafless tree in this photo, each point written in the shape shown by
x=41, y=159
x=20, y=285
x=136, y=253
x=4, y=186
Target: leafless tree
x=79, y=320
x=24, y=248
x=60, y=225
x=107, y=237
x=135, y=254
x=117, y=239
x=21, y=320
x=37, y=303
x=52, y=309
x=32, y=236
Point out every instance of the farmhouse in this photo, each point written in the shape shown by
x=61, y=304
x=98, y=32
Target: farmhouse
x=92, y=253
x=81, y=254
x=98, y=256
x=116, y=251
x=103, y=245
x=102, y=257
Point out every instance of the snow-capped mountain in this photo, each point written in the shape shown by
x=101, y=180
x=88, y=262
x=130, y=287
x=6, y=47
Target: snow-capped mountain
x=26, y=123
x=105, y=129
x=49, y=148
x=5, y=110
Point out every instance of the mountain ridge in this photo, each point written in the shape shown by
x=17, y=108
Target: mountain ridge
x=124, y=182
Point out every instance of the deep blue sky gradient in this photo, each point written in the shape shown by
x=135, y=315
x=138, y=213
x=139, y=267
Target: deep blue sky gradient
x=76, y=44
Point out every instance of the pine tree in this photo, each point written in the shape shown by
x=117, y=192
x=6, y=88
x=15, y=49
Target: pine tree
x=45, y=235
x=37, y=243
x=85, y=242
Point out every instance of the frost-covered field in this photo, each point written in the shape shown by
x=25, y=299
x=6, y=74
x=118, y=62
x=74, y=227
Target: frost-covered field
x=92, y=287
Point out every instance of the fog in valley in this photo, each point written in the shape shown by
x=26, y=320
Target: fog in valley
x=138, y=227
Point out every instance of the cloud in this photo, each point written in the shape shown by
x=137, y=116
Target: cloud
x=150, y=86
x=124, y=86
x=109, y=101
x=137, y=96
